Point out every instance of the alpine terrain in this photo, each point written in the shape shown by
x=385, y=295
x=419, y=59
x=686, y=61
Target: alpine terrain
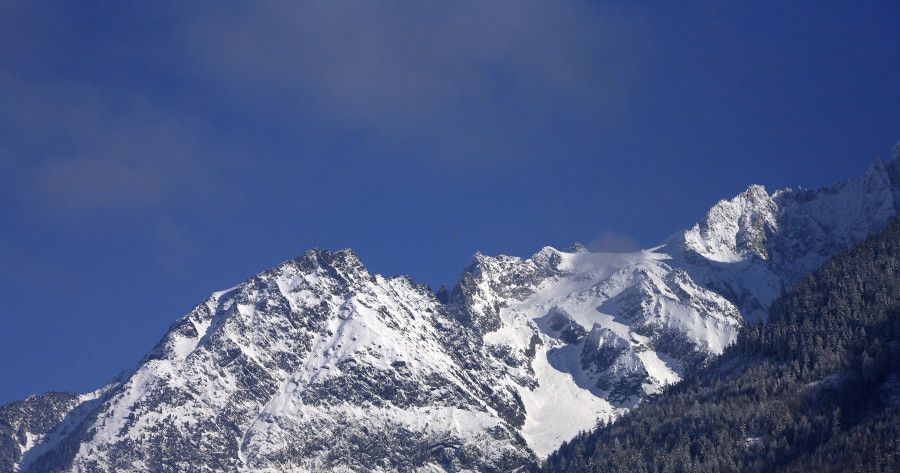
x=815, y=388
x=319, y=365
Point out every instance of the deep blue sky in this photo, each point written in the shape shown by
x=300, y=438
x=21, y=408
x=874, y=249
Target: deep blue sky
x=150, y=155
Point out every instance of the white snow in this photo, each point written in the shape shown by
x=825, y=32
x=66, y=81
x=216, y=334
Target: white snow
x=559, y=409
x=299, y=327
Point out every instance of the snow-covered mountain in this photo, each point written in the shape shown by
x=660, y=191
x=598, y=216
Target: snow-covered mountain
x=749, y=247
x=319, y=365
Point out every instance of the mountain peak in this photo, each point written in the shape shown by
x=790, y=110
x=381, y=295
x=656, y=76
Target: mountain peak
x=755, y=192
x=578, y=247
x=735, y=228
x=344, y=262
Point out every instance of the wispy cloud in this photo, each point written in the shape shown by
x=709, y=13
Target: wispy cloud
x=463, y=82
x=614, y=242
x=79, y=149
x=466, y=78
x=87, y=183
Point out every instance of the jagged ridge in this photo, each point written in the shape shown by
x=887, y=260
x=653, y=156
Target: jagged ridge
x=318, y=364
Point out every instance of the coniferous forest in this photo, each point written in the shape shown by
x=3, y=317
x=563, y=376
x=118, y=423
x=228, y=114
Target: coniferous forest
x=814, y=388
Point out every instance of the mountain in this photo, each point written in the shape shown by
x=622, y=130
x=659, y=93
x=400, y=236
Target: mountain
x=750, y=248
x=313, y=364
x=318, y=364
x=816, y=388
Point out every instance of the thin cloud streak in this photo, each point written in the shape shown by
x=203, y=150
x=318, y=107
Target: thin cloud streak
x=468, y=79
x=613, y=242
x=80, y=149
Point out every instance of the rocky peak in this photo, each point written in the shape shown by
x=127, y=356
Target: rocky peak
x=343, y=264
x=489, y=282
x=735, y=229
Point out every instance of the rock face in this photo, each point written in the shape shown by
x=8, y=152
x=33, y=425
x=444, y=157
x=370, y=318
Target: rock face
x=24, y=424
x=314, y=365
x=751, y=247
x=319, y=365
